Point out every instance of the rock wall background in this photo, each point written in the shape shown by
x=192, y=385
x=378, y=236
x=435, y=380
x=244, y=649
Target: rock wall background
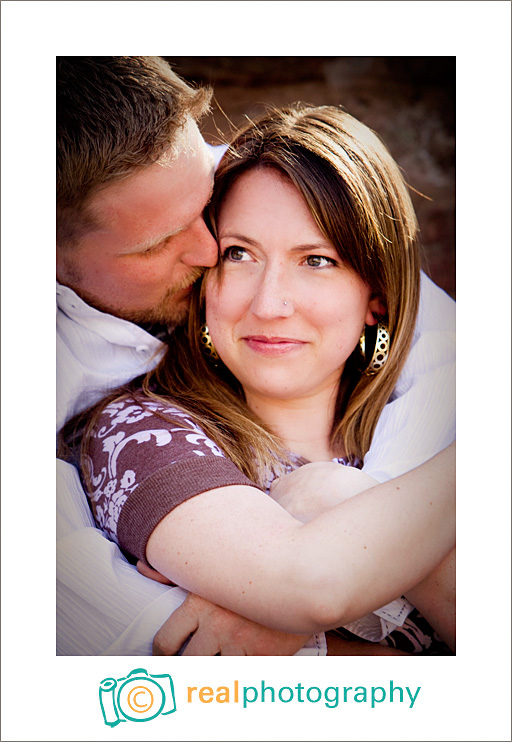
x=409, y=101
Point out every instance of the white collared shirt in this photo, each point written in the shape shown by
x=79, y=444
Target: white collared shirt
x=96, y=352
x=419, y=419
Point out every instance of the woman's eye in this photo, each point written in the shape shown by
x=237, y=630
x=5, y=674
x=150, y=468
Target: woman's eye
x=319, y=261
x=235, y=254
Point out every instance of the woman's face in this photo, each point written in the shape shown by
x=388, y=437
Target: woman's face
x=285, y=314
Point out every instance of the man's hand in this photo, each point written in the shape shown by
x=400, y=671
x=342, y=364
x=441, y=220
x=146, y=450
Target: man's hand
x=152, y=573
x=216, y=630
x=351, y=648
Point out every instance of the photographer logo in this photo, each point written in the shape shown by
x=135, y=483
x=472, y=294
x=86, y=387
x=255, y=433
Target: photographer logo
x=137, y=697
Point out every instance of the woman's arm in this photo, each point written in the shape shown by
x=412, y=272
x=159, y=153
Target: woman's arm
x=307, y=492
x=434, y=597
x=238, y=548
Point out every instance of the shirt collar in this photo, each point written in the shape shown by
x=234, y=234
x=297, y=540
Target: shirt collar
x=111, y=328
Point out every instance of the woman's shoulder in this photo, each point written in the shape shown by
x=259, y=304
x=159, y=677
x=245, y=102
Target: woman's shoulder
x=136, y=409
x=128, y=408
x=145, y=456
x=141, y=418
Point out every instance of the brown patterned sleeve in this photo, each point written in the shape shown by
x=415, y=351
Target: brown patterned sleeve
x=142, y=466
x=162, y=491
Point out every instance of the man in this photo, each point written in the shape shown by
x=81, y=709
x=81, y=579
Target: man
x=134, y=176
x=130, y=232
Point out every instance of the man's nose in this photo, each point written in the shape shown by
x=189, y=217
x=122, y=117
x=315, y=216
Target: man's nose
x=273, y=296
x=201, y=246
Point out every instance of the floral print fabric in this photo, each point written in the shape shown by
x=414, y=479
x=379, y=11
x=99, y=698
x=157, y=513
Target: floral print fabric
x=132, y=441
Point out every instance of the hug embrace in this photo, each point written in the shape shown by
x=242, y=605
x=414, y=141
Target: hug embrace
x=285, y=451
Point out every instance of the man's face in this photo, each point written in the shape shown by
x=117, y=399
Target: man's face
x=140, y=260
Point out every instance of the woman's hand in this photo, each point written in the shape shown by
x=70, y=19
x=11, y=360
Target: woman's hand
x=314, y=488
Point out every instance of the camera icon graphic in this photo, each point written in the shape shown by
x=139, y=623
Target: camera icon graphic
x=137, y=697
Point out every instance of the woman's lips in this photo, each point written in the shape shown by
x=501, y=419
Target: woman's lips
x=272, y=346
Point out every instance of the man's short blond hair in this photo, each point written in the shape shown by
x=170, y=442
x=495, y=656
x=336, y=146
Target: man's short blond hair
x=115, y=115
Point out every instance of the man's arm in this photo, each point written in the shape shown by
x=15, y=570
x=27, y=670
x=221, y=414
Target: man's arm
x=209, y=629
x=104, y=606
x=419, y=419
x=218, y=631
x=214, y=630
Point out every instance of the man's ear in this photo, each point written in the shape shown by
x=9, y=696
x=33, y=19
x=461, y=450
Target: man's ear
x=376, y=308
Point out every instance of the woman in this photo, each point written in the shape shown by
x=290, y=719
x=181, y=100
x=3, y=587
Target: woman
x=294, y=345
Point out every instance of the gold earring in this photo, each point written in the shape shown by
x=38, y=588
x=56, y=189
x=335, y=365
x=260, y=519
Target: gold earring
x=380, y=351
x=206, y=342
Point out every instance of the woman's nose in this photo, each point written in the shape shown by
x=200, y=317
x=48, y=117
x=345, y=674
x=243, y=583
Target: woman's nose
x=272, y=298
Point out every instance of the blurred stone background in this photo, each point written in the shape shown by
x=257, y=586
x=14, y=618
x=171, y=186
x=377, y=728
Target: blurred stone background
x=408, y=101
